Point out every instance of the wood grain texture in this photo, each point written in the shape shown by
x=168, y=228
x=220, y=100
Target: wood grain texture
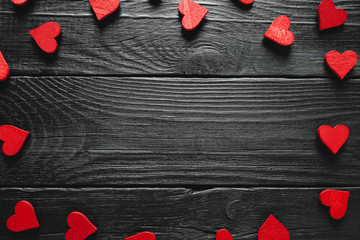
x=182, y=213
x=118, y=131
x=146, y=38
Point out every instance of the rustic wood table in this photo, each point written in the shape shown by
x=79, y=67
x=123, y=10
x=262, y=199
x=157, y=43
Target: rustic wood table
x=142, y=126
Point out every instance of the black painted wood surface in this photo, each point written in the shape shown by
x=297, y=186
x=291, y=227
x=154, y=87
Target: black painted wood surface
x=137, y=102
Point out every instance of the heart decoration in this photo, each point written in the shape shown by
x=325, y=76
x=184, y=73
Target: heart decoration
x=142, y=236
x=330, y=17
x=19, y=2
x=272, y=229
x=193, y=14
x=279, y=33
x=341, y=64
x=223, y=235
x=246, y=2
x=23, y=219
x=336, y=200
x=4, y=68
x=80, y=227
x=45, y=35
x=333, y=138
x=104, y=8
x=13, y=138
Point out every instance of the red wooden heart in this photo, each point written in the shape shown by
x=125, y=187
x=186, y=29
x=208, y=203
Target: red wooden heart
x=45, y=35
x=4, y=68
x=223, y=235
x=80, y=227
x=341, y=64
x=272, y=229
x=336, y=200
x=142, y=236
x=279, y=33
x=13, y=138
x=246, y=2
x=333, y=138
x=193, y=14
x=330, y=17
x=23, y=219
x=104, y=8
x=19, y=2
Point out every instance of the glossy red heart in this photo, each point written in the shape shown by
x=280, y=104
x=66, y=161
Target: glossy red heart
x=272, y=229
x=142, y=236
x=330, y=17
x=341, y=64
x=19, y=2
x=336, y=200
x=4, y=68
x=23, y=219
x=223, y=235
x=279, y=33
x=45, y=35
x=193, y=14
x=13, y=138
x=104, y=8
x=80, y=227
x=246, y=2
x=333, y=138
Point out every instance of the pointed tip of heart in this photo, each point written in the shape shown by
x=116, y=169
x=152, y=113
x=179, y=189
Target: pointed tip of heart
x=336, y=200
x=273, y=229
x=4, y=68
x=23, y=219
x=246, y=2
x=19, y=2
x=104, y=8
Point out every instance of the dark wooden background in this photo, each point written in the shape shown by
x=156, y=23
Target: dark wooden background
x=145, y=127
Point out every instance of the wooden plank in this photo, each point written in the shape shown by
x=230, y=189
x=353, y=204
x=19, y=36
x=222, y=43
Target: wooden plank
x=179, y=213
x=111, y=131
x=148, y=40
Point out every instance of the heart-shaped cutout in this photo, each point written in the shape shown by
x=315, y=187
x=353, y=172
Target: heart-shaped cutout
x=104, y=8
x=341, y=64
x=246, y=2
x=4, y=68
x=23, y=219
x=19, y=2
x=333, y=138
x=330, y=17
x=80, y=227
x=272, y=229
x=223, y=235
x=142, y=236
x=193, y=14
x=13, y=138
x=279, y=33
x=336, y=200
x=45, y=35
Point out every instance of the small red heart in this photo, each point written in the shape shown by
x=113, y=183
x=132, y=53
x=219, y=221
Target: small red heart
x=104, y=8
x=341, y=64
x=223, y=235
x=13, y=138
x=80, y=227
x=336, y=200
x=246, y=2
x=330, y=17
x=19, y=2
x=193, y=14
x=23, y=219
x=142, y=236
x=333, y=138
x=4, y=68
x=279, y=33
x=272, y=229
x=45, y=35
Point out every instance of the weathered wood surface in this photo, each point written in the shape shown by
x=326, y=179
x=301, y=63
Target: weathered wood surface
x=146, y=38
x=111, y=131
x=182, y=213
